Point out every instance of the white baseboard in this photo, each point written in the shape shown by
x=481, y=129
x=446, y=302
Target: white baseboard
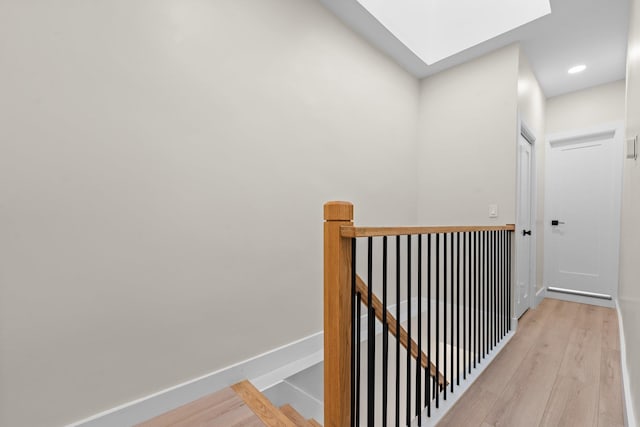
x=540, y=295
x=263, y=371
x=629, y=414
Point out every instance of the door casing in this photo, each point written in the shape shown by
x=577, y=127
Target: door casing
x=525, y=131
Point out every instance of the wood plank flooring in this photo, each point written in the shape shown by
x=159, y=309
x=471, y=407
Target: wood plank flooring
x=562, y=368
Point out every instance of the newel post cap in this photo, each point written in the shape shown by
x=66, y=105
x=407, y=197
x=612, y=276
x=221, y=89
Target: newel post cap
x=338, y=211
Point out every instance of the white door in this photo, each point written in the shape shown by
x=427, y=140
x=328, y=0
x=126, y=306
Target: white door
x=524, y=235
x=583, y=215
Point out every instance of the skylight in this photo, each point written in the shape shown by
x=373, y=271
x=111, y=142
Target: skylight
x=436, y=29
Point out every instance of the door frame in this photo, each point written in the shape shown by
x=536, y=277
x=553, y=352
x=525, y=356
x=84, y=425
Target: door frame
x=619, y=131
x=526, y=132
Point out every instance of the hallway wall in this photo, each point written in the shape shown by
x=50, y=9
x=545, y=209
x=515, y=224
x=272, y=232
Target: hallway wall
x=532, y=105
x=586, y=108
x=163, y=170
x=467, y=129
x=629, y=292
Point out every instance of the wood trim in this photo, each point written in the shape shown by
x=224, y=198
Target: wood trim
x=351, y=231
x=294, y=416
x=261, y=406
x=406, y=342
x=337, y=315
x=209, y=407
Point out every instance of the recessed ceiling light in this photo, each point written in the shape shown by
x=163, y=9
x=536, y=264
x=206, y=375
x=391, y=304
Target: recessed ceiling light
x=577, y=69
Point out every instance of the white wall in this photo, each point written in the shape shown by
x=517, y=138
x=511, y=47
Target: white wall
x=467, y=131
x=162, y=172
x=586, y=108
x=629, y=292
x=532, y=108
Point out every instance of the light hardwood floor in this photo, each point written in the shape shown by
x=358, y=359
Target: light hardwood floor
x=562, y=368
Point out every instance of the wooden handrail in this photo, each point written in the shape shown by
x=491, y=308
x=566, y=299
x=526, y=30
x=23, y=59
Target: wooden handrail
x=404, y=338
x=351, y=231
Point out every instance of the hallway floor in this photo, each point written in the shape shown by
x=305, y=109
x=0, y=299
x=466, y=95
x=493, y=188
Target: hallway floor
x=562, y=368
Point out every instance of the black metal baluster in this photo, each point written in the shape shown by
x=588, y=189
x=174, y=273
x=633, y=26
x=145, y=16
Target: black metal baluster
x=491, y=293
x=385, y=335
x=481, y=292
x=444, y=321
x=458, y=309
x=437, y=320
x=474, y=271
x=489, y=296
x=466, y=296
x=451, y=341
x=509, y=276
x=371, y=338
x=428, y=377
x=492, y=280
x=496, y=287
x=408, y=397
x=472, y=289
x=486, y=293
x=500, y=254
x=483, y=298
x=355, y=333
x=480, y=299
x=470, y=328
x=477, y=296
x=419, y=357
x=474, y=298
x=499, y=283
x=358, y=317
x=507, y=283
x=506, y=277
x=398, y=331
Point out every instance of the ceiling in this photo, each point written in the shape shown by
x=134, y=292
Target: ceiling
x=431, y=28
x=590, y=32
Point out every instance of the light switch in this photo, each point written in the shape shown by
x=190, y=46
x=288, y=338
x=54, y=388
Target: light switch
x=493, y=211
x=632, y=148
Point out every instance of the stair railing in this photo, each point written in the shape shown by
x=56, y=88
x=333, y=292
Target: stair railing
x=467, y=271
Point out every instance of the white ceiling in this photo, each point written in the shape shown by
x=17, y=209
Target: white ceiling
x=591, y=32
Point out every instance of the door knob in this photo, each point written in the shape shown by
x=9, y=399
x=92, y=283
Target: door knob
x=526, y=232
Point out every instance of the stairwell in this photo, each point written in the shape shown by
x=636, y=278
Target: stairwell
x=240, y=405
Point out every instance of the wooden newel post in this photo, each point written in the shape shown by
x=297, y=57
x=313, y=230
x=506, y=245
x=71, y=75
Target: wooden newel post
x=337, y=315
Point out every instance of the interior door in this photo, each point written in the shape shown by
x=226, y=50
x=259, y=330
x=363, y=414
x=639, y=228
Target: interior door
x=523, y=228
x=583, y=222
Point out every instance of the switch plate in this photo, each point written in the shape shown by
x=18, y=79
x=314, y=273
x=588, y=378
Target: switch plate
x=632, y=148
x=493, y=211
